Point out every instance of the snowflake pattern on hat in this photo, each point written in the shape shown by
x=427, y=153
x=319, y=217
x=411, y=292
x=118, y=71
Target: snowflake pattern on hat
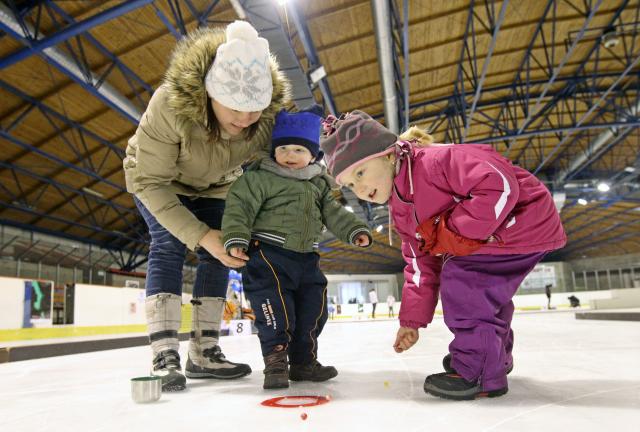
x=240, y=77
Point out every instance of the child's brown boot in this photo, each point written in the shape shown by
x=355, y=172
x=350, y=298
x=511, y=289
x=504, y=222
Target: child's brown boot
x=276, y=370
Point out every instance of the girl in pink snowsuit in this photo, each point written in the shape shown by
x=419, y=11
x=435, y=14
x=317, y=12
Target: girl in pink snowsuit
x=472, y=227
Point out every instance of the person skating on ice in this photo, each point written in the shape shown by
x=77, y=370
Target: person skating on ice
x=274, y=219
x=472, y=227
x=213, y=112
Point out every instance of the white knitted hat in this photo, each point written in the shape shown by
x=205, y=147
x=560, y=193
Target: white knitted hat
x=240, y=76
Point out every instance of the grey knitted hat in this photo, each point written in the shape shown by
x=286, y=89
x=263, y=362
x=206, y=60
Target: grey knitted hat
x=352, y=139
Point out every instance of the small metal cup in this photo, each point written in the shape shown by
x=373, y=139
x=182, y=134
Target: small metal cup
x=146, y=389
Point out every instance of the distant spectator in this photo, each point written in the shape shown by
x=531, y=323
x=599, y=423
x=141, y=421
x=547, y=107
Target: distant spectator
x=373, y=298
x=391, y=300
x=547, y=291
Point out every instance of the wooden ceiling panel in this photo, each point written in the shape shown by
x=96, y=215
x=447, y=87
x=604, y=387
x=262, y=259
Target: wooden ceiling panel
x=345, y=24
x=343, y=33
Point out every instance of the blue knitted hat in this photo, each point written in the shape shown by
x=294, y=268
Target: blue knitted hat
x=301, y=128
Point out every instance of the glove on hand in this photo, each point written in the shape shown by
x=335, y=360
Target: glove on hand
x=438, y=239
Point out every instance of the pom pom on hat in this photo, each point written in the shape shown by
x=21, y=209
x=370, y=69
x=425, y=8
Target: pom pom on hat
x=241, y=30
x=240, y=76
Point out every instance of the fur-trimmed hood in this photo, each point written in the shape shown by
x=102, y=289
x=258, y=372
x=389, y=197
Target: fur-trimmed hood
x=184, y=79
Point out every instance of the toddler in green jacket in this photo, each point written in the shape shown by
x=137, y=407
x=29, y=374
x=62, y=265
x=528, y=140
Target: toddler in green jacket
x=274, y=218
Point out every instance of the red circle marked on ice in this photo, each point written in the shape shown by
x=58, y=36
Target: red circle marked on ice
x=303, y=416
x=295, y=401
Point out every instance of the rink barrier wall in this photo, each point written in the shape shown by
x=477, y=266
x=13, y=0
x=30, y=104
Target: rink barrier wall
x=107, y=310
x=618, y=299
x=609, y=315
x=32, y=352
x=122, y=310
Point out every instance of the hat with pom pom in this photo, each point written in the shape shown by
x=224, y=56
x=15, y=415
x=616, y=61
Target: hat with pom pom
x=240, y=76
x=353, y=139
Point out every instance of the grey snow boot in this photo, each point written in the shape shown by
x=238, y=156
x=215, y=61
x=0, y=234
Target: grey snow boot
x=163, y=319
x=276, y=369
x=206, y=360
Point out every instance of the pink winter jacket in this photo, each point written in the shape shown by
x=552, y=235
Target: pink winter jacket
x=489, y=197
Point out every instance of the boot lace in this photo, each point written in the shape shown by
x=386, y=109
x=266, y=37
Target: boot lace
x=214, y=354
x=276, y=362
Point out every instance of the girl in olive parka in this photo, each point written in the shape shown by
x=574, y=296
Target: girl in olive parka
x=213, y=112
x=274, y=218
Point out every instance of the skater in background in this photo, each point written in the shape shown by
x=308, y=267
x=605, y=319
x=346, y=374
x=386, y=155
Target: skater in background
x=373, y=299
x=274, y=219
x=190, y=144
x=547, y=291
x=472, y=227
x=391, y=300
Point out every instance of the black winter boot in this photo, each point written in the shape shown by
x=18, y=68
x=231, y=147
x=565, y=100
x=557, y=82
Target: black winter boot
x=453, y=386
x=276, y=370
x=446, y=364
x=313, y=371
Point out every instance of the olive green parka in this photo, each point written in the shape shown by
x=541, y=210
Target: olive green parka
x=286, y=208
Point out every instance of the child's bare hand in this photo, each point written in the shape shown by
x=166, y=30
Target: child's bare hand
x=405, y=339
x=362, y=240
x=237, y=252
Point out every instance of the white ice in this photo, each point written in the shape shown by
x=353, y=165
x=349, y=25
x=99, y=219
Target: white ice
x=569, y=375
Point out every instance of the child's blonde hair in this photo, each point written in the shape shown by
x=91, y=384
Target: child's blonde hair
x=414, y=133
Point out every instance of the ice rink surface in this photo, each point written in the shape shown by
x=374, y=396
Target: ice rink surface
x=569, y=375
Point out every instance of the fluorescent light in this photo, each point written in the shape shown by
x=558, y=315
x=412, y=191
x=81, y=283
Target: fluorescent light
x=317, y=74
x=92, y=192
x=582, y=201
x=603, y=187
x=379, y=228
x=238, y=8
x=630, y=169
x=348, y=208
x=282, y=2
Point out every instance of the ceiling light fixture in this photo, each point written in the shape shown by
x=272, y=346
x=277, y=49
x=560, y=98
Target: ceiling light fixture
x=610, y=37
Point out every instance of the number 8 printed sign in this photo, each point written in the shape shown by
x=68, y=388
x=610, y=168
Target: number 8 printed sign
x=240, y=327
